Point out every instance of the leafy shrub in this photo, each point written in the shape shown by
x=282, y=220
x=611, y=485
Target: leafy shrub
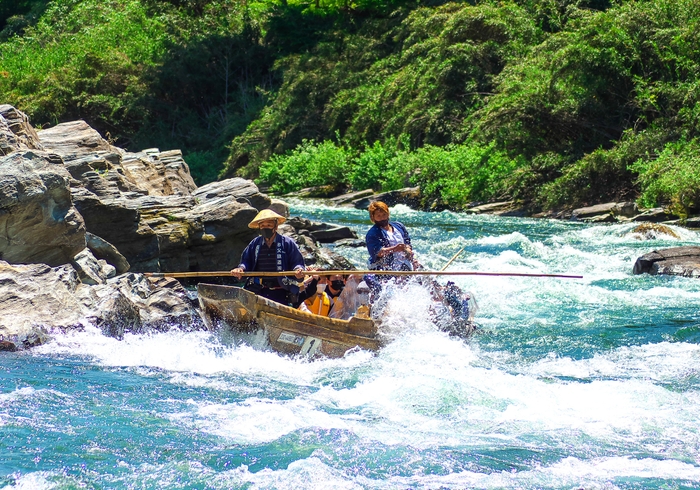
x=310, y=164
x=458, y=174
x=672, y=178
x=381, y=166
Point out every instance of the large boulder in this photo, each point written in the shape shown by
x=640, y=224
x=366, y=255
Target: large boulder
x=36, y=300
x=608, y=212
x=142, y=210
x=409, y=196
x=675, y=261
x=15, y=131
x=147, y=206
x=38, y=221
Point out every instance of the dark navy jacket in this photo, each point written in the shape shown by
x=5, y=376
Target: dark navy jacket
x=377, y=238
x=288, y=255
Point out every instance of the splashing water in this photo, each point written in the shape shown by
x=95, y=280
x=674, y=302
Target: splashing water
x=591, y=383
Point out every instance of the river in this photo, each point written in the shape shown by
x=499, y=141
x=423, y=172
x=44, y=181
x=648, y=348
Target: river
x=591, y=383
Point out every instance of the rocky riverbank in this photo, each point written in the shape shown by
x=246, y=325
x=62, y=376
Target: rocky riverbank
x=612, y=212
x=81, y=220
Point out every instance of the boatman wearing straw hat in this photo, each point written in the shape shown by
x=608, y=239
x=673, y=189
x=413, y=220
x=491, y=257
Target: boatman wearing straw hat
x=271, y=252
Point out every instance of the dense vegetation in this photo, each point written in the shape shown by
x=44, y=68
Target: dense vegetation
x=551, y=102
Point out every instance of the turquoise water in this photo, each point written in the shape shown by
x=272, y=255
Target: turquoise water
x=591, y=383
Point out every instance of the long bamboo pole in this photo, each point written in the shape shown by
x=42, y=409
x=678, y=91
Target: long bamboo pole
x=452, y=259
x=362, y=272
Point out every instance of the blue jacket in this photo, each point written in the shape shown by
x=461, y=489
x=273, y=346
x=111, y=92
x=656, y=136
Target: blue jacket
x=288, y=256
x=377, y=239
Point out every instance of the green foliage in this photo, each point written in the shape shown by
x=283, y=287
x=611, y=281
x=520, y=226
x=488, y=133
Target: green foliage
x=308, y=165
x=453, y=175
x=180, y=74
x=382, y=166
x=457, y=174
x=672, y=178
x=555, y=102
x=419, y=73
x=17, y=15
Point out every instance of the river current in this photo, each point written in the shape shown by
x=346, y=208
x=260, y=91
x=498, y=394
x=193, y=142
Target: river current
x=569, y=383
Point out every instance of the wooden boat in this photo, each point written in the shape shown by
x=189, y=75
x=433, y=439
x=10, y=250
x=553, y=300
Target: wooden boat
x=285, y=329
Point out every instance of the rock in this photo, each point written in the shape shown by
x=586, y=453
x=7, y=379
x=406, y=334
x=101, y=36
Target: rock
x=91, y=270
x=651, y=231
x=7, y=346
x=655, y=215
x=409, y=196
x=601, y=218
x=692, y=223
x=115, y=314
x=280, y=207
x=504, y=208
x=142, y=210
x=73, y=140
x=677, y=261
x=104, y=250
x=17, y=122
x=321, y=191
x=604, y=212
x=244, y=191
x=38, y=220
x=36, y=300
x=333, y=234
x=348, y=198
x=350, y=242
x=8, y=139
x=321, y=232
x=159, y=173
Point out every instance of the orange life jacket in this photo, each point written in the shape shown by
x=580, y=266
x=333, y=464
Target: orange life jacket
x=319, y=304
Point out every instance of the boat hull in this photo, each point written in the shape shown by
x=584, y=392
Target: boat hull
x=284, y=329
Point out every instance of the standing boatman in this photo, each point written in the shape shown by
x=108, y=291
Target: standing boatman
x=271, y=252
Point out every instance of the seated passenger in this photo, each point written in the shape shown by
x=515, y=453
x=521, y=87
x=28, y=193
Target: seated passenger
x=318, y=303
x=348, y=301
x=327, y=296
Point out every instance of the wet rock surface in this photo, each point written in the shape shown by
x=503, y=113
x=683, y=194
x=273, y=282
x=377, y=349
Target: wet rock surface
x=675, y=261
x=37, y=300
x=38, y=222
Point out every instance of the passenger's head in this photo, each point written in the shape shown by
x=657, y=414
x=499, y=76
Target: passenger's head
x=336, y=282
x=379, y=213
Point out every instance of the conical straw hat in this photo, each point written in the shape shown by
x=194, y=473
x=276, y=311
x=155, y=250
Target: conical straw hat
x=266, y=214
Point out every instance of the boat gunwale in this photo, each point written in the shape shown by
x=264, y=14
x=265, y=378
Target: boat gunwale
x=268, y=306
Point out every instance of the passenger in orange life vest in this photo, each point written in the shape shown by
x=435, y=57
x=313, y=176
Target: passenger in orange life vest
x=318, y=303
x=327, y=297
x=335, y=286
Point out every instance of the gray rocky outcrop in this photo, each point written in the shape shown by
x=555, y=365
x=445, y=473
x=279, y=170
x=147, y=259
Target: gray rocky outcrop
x=603, y=213
x=347, y=199
x=409, y=196
x=321, y=232
x=15, y=131
x=147, y=206
x=676, y=261
x=36, y=300
x=501, y=208
x=38, y=222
